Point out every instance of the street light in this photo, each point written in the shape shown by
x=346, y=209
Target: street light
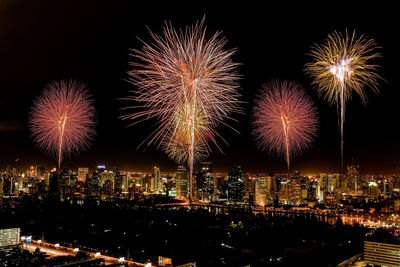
x=57, y=245
x=76, y=249
x=121, y=259
x=97, y=254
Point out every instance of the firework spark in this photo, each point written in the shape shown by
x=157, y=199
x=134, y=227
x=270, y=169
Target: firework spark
x=62, y=119
x=343, y=65
x=189, y=84
x=285, y=119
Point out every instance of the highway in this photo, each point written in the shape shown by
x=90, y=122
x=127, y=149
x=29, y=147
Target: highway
x=58, y=250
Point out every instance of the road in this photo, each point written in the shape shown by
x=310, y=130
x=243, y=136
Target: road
x=58, y=250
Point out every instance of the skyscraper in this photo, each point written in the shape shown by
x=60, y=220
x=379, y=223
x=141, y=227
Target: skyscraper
x=235, y=185
x=294, y=191
x=156, y=185
x=82, y=174
x=261, y=191
x=205, y=179
x=182, y=182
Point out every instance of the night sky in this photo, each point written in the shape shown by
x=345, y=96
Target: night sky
x=41, y=41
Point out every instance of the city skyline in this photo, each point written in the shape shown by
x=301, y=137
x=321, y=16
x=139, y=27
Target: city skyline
x=102, y=63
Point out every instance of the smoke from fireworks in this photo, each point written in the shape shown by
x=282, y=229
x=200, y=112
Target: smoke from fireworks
x=189, y=84
x=343, y=65
x=62, y=119
x=285, y=119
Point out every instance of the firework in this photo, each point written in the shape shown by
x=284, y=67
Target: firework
x=343, y=65
x=189, y=85
x=178, y=139
x=285, y=119
x=62, y=119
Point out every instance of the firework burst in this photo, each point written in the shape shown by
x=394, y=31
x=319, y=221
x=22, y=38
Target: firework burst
x=285, y=119
x=62, y=119
x=188, y=83
x=343, y=64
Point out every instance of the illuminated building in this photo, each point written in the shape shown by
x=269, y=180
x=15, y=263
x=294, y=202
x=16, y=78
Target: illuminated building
x=92, y=185
x=235, y=185
x=249, y=189
x=105, y=176
x=9, y=238
x=373, y=190
x=101, y=168
x=397, y=205
x=205, y=178
x=82, y=174
x=304, y=188
x=382, y=254
x=319, y=189
x=284, y=192
x=182, y=182
x=117, y=181
x=261, y=191
x=156, y=184
x=107, y=189
x=312, y=190
x=1, y=189
x=294, y=197
x=353, y=178
x=125, y=182
x=274, y=187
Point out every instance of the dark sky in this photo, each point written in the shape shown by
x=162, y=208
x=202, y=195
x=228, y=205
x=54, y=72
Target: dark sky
x=90, y=40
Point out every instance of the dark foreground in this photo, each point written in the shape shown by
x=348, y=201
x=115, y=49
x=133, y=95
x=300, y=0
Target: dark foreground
x=209, y=239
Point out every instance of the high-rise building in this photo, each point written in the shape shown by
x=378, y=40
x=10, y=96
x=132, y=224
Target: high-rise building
x=304, y=188
x=261, y=191
x=105, y=176
x=205, y=179
x=235, y=185
x=53, y=181
x=353, y=178
x=156, y=184
x=1, y=189
x=294, y=191
x=312, y=190
x=82, y=174
x=182, y=182
x=373, y=190
x=284, y=192
x=381, y=254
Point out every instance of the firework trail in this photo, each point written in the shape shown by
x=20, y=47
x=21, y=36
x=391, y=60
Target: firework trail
x=189, y=84
x=62, y=119
x=285, y=119
x=343, y=65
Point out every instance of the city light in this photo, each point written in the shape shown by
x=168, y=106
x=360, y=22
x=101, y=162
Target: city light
x=179, y=154
x=188, y=84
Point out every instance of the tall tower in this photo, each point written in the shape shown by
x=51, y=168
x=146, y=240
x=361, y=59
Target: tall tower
x=156, y=185
x=82, y=174
x=182, y=182
x=235, y=184
x=205, y=179
x=261, y=191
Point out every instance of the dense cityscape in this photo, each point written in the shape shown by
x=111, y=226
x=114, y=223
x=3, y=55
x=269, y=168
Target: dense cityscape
x=361, y=201
x=137, y=133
